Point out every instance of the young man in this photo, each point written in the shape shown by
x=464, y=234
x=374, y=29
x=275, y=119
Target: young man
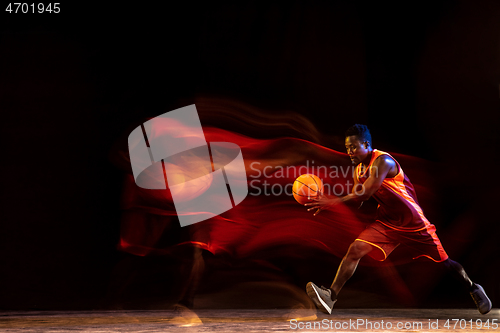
x=399, y=220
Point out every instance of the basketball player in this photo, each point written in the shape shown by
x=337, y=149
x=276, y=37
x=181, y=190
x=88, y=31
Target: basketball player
x=399, y=220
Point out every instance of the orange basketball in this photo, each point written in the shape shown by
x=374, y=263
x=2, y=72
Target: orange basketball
x=306, y=187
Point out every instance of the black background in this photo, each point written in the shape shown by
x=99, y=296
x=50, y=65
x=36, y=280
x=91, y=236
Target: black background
x=423, y=75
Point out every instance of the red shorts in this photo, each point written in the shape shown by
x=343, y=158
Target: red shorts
x=423, y=243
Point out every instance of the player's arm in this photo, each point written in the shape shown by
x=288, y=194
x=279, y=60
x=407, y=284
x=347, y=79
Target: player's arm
x=382, y=166
x=361, y=192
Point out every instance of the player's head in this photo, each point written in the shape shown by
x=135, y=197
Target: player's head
x=358, y=143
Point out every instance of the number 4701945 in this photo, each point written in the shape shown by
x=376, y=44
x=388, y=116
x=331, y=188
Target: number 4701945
x=470, y=324
x=22, y=7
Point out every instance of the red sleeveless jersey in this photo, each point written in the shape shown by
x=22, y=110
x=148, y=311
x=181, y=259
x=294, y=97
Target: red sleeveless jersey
x=398, y=206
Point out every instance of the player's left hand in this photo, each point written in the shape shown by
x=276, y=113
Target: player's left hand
x=322, y=202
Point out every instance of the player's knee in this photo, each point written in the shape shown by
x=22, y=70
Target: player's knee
x=358, y=249
x=197, y=253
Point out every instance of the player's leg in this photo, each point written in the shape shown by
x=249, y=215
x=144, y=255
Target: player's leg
x=325, y=298
x=196, y=267
x=477, y=292
x=192, y=270
x=458, y=272
x=349, y=263
x=427, y=243
x=430, y=246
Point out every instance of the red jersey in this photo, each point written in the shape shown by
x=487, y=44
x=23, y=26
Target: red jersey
x=398, y=206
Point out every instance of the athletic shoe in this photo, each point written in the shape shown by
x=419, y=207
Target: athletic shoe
x=322, y=297
x=482, y=301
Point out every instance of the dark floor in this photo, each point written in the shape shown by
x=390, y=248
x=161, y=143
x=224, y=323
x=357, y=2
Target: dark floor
x=261, y=320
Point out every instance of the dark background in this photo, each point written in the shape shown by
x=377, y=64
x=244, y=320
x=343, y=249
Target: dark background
x=423, y=75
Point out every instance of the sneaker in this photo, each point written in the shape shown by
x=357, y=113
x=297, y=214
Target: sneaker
x=322, y=297
x=482, y=301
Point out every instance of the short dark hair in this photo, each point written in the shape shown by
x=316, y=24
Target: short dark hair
x=361, y=131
